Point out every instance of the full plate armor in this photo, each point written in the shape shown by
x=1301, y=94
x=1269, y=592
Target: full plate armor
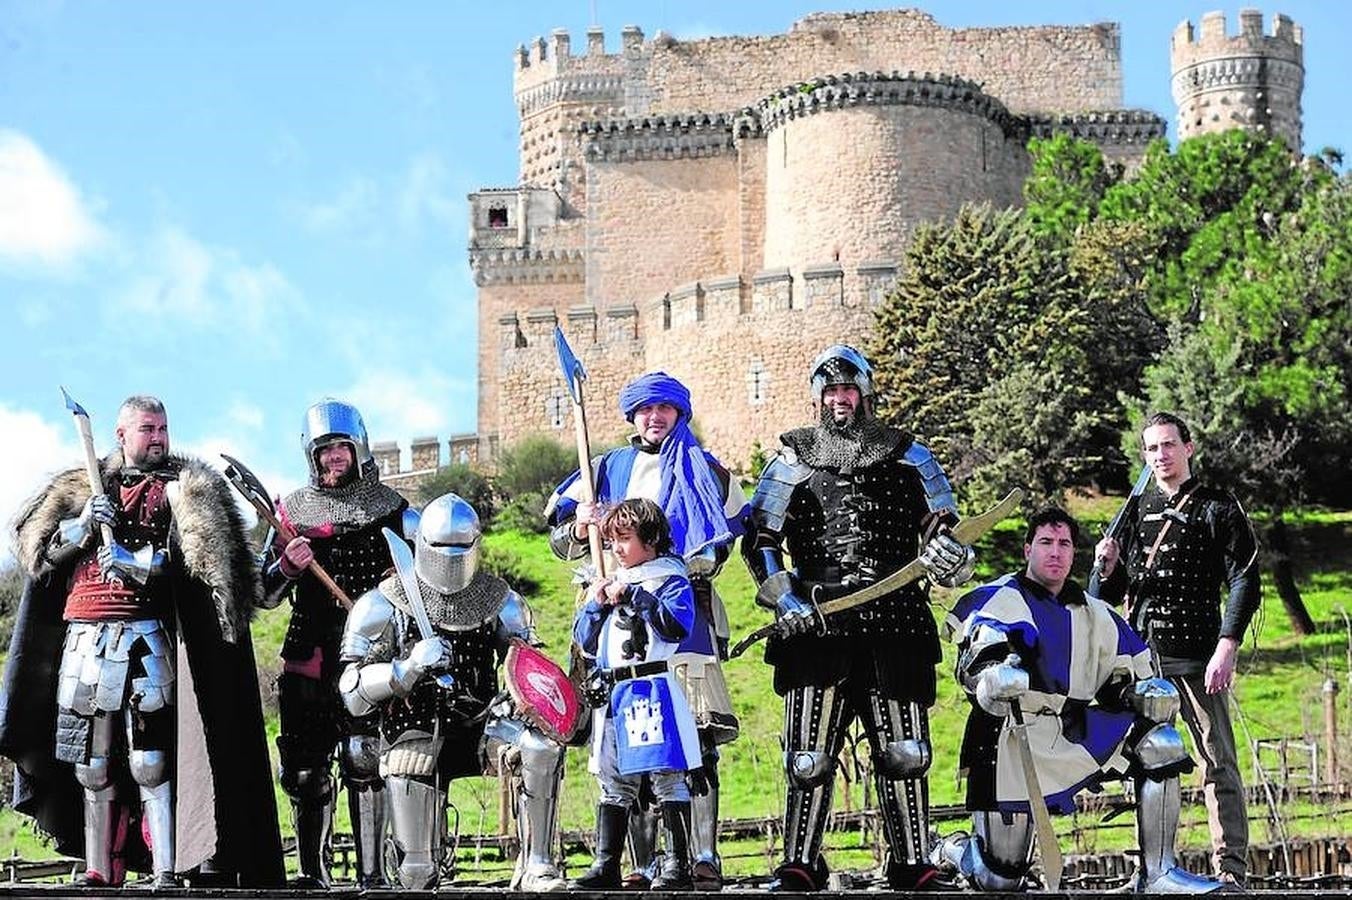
x=441, y=715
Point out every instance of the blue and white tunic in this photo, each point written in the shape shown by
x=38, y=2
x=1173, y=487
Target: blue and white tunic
x=1072, y=646
x=635, y=472
x=653, y=725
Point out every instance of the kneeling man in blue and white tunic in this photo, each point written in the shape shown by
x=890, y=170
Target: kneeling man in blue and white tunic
x=1083, y=680
x=631, y=625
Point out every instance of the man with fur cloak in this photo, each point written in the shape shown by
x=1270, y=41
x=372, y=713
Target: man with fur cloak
x=130, y=701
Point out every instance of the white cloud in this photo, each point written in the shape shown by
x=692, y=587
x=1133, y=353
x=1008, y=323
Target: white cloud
x=399, y=406
x=245, y=415
x=44, y=219
x=418, y=197
x=355, y=207
x=33, y=449
x=176, y=282
x=423, y=195
x=183, y=281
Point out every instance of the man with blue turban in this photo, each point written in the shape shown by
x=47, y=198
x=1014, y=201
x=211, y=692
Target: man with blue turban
x=705, y=506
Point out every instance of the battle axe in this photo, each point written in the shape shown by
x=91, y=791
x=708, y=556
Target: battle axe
x=247, y=483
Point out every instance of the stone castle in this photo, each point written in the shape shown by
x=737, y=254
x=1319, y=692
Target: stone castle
x=722, y=209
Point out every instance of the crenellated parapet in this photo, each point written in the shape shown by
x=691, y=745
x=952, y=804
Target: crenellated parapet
x=547, y=72
x=658, y=137
x=1127, y=130
x=1252, y=80
x=834, y=92
x=524, y=265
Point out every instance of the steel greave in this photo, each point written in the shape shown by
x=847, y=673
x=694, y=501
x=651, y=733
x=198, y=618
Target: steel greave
x=417, y=819
x=367, y=808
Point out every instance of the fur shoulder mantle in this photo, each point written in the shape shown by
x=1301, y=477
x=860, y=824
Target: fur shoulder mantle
x=209, y=534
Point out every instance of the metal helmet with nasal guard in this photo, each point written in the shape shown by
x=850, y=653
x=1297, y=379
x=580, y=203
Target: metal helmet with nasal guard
x=447, y=552
x=331, y=421
x=841, y=364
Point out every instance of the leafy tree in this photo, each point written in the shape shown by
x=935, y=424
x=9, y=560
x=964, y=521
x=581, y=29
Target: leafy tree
x=1203, y=205
x=462, y=479
x=1002, y=354
x=1068, y=180
x=938, y=338
x=1263, y=373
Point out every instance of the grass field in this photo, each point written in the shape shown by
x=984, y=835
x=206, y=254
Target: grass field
x=1278, y=695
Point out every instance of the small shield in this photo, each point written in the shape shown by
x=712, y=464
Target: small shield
x=542, y=692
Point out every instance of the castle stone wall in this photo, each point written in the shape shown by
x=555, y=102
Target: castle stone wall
x=850, y=184
x=654, y=224
x=502, y=328
x=1064, y=68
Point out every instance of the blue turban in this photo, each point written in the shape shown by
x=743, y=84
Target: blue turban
x=691, y=494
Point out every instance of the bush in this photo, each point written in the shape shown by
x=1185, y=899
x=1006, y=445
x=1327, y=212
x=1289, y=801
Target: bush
x=459, y=478
x=525, y=512
x=11, y=589
x=534, y=465
x=511, y=568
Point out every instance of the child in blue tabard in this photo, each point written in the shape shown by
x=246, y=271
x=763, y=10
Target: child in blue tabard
x=630, y=626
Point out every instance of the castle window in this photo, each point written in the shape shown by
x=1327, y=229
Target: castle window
x=758, y=383
x=497, y=217
x=556, y=408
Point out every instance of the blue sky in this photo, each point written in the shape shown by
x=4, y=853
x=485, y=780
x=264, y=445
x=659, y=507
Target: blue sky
x=243, y=207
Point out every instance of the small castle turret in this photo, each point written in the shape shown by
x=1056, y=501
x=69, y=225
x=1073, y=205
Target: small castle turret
x=1252, y=80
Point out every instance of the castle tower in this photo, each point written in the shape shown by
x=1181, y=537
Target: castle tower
x=1252, y=80
x=556, y=91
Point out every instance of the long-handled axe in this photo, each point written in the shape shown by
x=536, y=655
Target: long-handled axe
x=247, y=483
x=91, y=458
x=574, y=375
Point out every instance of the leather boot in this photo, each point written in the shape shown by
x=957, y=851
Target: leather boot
x=675, y=874
x=604, y=875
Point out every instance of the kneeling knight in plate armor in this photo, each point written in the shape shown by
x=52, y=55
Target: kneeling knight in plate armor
x=441, y=713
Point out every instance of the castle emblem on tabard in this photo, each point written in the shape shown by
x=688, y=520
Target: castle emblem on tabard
x=643, y=723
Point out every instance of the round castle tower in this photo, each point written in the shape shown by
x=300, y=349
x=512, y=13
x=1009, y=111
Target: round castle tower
x=1252, y=80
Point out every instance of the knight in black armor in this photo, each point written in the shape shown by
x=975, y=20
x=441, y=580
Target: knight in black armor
x=437, y=700
x=852, y=500
x=130, y=703
x=337, y=519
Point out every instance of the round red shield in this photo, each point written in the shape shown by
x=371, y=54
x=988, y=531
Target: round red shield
x=541, y=690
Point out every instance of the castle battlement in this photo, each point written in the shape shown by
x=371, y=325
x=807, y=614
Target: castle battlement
x=658, y=137
x=543, y=60
x=834, y=92
x=1118, y=132
x=1253, y=79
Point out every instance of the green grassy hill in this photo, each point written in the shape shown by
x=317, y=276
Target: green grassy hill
x=1279, y=695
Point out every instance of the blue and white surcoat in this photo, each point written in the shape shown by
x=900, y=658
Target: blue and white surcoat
x=1072, y=646
x=654, y=728
x=632, y=472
